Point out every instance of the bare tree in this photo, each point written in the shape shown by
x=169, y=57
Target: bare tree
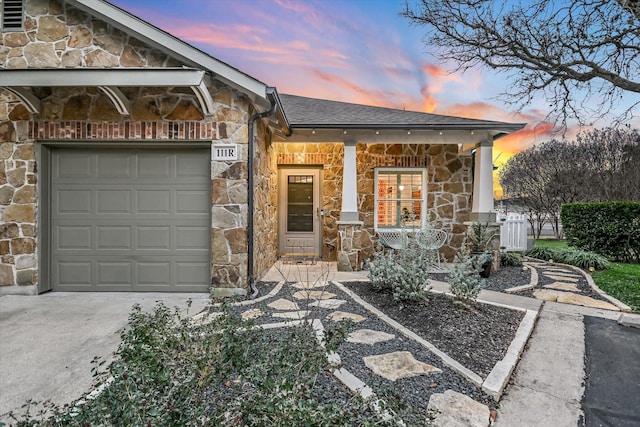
x=581, y=55
x=600, y=165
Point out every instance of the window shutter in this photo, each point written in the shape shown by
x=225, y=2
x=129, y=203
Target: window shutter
x=12, y=15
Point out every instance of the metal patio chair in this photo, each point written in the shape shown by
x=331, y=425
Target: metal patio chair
x=432, y=239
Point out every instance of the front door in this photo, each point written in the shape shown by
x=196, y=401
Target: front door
x=299, y=212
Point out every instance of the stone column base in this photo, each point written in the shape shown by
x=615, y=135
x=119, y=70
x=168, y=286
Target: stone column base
x=349, y=256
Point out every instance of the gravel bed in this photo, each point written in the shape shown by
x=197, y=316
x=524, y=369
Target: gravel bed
x=505, y=278
x=477, y=336
x=413, y=392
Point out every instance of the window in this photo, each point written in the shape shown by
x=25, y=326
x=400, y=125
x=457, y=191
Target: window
x=400, y=198
x=12, y=15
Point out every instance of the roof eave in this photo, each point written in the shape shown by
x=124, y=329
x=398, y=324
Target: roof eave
x=165, y=42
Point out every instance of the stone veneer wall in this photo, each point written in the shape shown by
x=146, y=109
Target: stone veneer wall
x=449, y=187
x=57, y=36
x=265, y=218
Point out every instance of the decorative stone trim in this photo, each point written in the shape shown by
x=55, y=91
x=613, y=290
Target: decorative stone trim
x=127, y=130
x=399, y=161
x=302, y=158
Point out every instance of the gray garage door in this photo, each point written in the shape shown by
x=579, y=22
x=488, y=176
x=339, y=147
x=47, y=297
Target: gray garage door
x=130, y=219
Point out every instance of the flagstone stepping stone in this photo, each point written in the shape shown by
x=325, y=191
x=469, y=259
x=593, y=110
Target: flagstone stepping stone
x=453, y=409
x=328, y=303
x=313, y=295
x=571, y=287
x=369, y=336
x=560, y=271
x=283, y=304
x=337, y=316
x=397, y=365
x=309, y=285
x=565, y=278
x=300, y=314
x=252, y=314
x=571, y=298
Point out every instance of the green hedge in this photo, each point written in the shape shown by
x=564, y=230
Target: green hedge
x=611, y=229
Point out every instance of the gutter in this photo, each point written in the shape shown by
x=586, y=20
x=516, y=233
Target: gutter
x=272, y=95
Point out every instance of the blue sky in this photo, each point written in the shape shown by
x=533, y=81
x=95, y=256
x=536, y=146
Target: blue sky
x=358, y=51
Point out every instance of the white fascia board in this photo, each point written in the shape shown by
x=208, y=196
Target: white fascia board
x=175, y=47
x=60, y=77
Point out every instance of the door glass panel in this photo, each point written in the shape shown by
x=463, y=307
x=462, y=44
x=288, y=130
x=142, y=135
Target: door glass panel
x=300, y=203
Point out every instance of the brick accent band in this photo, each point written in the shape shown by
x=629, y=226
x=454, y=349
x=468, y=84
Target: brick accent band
x=302, y=159
x=128, y=130
x=399, y=161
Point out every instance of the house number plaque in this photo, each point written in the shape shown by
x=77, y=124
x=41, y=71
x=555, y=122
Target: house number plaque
x=224, y=152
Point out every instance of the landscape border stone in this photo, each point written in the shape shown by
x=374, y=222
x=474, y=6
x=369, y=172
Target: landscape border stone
x=532, y=283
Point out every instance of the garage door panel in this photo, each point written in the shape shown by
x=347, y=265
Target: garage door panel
x=191, y=274
x=154, y=237
x=153, y=201
x=131, y=219
x=155, y=166
x=114, y=273
x=154, y=273
x=73, y=201
x=74, y=166
x=193, y=202
x=192, y=237
x=77, y=274
x=73, y=237
x=117, y=166
x=113, y=237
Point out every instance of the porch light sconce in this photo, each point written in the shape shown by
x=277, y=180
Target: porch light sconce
x=377, y=132
x=440, y=133
x=459, y=146
x=471, y=132
x=313, y=131
x=408, y=132
x=344, y=132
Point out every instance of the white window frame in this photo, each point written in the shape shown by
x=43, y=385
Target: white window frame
x=423, y=206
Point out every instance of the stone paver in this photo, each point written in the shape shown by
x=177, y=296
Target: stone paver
x=561, y=277
x=369, y=336
x=299, y=314
x=571, y=298
x=337, y=316
x=252, y=314
x=330, y=303
x=309, y=285
x=283, y=304
x=453, y=409
x=313, y=295
x=397, y=365
x=571, y=287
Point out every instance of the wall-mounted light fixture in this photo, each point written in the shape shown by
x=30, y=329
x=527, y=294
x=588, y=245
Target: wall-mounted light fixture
x=440, y=133
x=313, y=131
x=471, y=132
x=344, y=131
x=377, y=132
x=408, y=132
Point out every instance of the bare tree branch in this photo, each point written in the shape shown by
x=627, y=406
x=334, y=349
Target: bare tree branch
x=581, y=55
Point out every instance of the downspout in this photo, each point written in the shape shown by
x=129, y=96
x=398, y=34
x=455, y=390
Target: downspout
x=250, y=203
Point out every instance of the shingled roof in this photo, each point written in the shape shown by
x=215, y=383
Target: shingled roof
x=303, y=112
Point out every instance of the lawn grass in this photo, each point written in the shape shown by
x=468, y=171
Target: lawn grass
x=552, y=243
x=622, y=281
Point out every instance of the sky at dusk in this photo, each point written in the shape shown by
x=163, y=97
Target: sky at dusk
x=359, y=51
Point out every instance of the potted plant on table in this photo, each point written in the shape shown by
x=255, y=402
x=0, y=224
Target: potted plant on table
x=480, y=244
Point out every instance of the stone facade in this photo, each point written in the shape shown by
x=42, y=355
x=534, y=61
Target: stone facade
x=59, y=36
x=449, y=188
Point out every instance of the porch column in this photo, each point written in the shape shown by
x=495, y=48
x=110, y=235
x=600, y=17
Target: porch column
x=349, y=210
x=483, y=184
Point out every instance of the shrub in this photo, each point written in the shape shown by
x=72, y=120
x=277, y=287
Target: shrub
x=540, y=252
x=464, y=278
x=510, y=259
x=585, y=259
x=405, y=274
x=480, y=237
x=168, y=372
x=611, y=229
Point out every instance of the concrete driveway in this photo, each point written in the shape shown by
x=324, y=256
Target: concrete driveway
x=47, y=342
